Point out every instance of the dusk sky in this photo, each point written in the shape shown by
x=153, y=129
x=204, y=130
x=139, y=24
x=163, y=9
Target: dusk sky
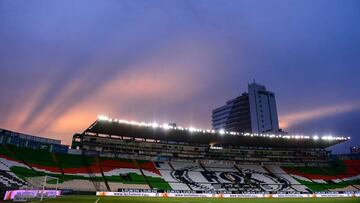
x=62, y=63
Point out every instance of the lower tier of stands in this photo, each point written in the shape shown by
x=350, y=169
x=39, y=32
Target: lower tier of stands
x=23, y=167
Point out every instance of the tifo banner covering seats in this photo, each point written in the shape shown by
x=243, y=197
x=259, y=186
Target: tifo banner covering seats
x=19, y=167
x=344, y=176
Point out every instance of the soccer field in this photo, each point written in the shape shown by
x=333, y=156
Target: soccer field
x=93, y=199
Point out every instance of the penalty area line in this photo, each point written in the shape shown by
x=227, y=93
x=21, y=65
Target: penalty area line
x=97, y=200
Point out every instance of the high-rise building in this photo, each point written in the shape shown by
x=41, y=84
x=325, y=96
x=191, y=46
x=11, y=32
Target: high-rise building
x=234, y=115
x=263, y=110
x=253, y=112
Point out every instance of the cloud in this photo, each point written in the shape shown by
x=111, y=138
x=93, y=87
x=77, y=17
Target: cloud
x=143, y=90
x=62, y=63
x=339, y=124
x=22, y=108
x=291, y=119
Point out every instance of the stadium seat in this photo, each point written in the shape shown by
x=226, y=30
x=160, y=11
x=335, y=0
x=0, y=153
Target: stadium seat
x=21, y=166
x=342, y=176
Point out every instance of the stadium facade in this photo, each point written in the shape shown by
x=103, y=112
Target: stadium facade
x=165, y=143
x=118, y=155
x=30, y=141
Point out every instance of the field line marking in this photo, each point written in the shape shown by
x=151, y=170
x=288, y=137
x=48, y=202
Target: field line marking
x=97, y=200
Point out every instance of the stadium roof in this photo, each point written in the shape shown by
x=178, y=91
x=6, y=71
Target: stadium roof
x=113, y=127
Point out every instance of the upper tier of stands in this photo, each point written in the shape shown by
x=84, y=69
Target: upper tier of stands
x=169, y=151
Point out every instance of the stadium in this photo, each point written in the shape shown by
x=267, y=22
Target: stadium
x=175, y=101
x=126, y=161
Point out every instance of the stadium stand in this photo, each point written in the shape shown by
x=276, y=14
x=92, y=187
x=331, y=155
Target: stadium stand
x=83, y=173
x=342, y=175
x=116, y=156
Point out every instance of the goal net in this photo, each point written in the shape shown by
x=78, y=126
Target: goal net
x=39, y=188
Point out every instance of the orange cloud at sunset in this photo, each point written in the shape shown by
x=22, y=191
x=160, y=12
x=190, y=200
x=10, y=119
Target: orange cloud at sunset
x=119, y=95
x=62, y=63
x=143, y=91
x=22, y=112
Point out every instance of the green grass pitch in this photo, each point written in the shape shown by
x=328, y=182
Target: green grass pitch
x=93, y=199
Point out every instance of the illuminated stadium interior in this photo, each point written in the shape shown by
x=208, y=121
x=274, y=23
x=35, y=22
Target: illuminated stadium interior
x=165, y=142
x=126, y=156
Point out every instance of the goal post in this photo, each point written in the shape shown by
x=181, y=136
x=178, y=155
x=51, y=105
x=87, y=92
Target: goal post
x=49, y=178
x=40, y=187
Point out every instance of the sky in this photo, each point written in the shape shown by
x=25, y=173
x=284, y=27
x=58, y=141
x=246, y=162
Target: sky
x=63, y=63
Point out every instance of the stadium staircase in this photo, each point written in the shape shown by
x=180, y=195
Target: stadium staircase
x=357, y=169
x=202, y=166
x=97, y=161
x=6, y=147
x=327, y=179
x=275, y=175
x=171, y=166
x=316, y=186
x=326, y=171
x=92, y=175
x=142, y=173
x=58, y=164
